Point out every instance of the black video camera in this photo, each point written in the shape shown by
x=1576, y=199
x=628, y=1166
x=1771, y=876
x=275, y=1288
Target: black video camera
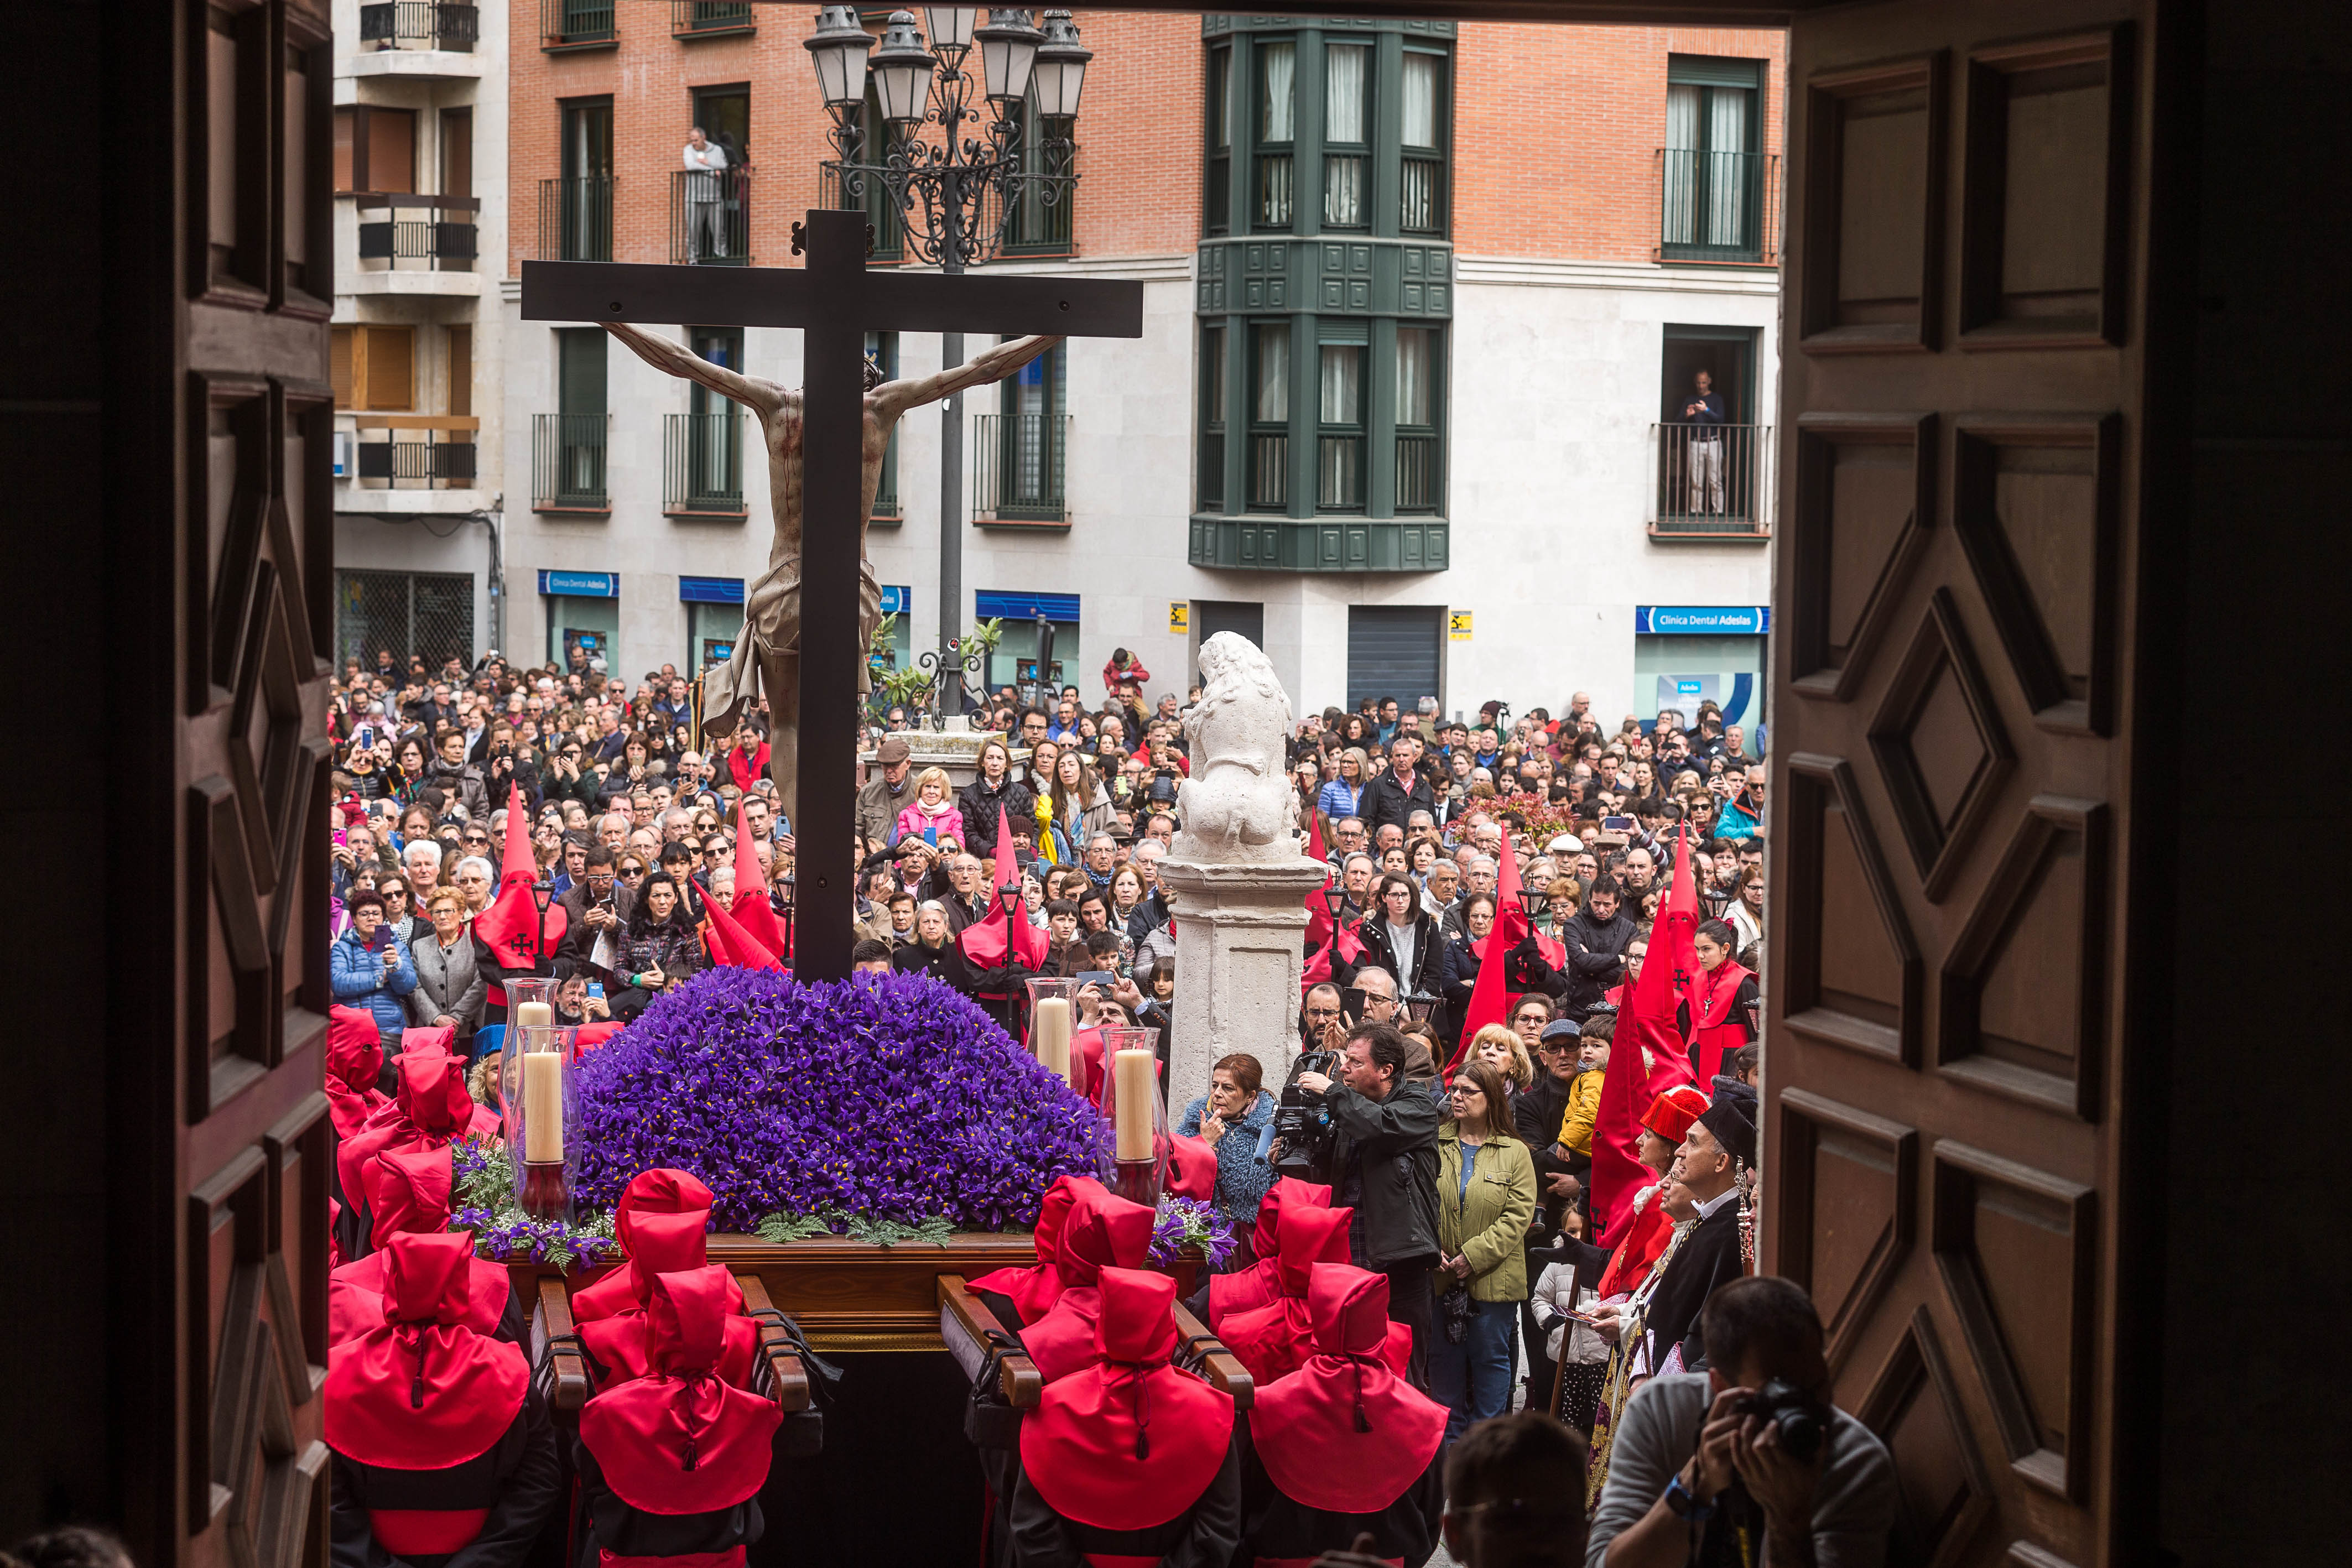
x=1301, y=1124
x=1782, y=1404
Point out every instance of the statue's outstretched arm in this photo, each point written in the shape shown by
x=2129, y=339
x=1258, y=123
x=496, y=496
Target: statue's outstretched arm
x=673, y=359
x=991, y=365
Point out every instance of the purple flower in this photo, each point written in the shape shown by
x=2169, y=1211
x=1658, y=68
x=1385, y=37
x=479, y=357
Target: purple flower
x=891, y=1097
x=1184, y=1222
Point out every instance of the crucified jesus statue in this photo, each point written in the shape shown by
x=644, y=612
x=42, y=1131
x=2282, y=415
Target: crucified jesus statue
x=767, y=654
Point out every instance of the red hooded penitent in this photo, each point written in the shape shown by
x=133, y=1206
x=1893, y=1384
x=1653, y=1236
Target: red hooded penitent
x=683, y=1437
x=1345, y=1433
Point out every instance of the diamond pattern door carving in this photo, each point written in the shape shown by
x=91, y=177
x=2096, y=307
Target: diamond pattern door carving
x=1949, y=1090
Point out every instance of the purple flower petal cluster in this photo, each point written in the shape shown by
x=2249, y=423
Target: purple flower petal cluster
x=890, y=1097
x=1185, y=1222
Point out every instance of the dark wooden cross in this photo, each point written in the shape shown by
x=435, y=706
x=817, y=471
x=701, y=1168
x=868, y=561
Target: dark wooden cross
x=836, y=301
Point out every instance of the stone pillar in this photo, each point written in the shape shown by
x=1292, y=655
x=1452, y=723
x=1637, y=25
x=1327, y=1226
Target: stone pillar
x=1239, y=931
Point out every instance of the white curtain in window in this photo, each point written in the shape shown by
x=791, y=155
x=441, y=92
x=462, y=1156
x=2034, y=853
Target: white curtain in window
x=1276, y=111
x=1343, y=92
x=1413, y=373
x=1343, y=189
x=1680, y=225
x=1221, y=62
x=1726, y=173
x=1420, y=105
x=1343, y=377
x=1272, y=375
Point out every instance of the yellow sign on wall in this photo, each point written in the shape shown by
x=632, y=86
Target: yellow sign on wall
x=1180, y=615
x=1458, y=625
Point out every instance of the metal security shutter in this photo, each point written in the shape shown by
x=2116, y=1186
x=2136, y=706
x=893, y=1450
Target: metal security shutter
x=1392, y=652
x=1210, y=616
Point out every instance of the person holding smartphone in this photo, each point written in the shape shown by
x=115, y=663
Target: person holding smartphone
x=370, y=967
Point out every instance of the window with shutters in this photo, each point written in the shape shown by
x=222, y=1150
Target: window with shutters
x=373, y=367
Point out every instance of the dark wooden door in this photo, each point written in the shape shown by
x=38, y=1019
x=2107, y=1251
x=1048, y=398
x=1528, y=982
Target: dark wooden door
x=1973, y=438
x=218, y=1127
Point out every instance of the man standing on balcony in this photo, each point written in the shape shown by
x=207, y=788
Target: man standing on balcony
x=706, y=164
x=1705, y=413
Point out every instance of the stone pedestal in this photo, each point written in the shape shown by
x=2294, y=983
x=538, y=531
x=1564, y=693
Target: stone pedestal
x=1239, y=931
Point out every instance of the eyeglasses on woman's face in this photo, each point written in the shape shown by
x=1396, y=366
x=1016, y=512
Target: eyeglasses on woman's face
x=633, y=870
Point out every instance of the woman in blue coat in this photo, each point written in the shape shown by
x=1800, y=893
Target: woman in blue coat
x=369, y=967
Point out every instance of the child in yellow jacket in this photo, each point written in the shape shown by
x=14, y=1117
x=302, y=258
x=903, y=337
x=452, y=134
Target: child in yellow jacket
x=1584, y=1092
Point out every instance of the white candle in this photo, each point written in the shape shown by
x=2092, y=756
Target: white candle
x=1049, y=1033
x=543, y=1106
x=534, y=1015
x=1133, y=1087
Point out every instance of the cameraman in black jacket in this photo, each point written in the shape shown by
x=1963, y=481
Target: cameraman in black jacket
x=1384, y=1164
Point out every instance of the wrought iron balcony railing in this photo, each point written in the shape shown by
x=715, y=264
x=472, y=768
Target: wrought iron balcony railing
x=1421, y=207
x=1017, y=467
x=1269, y=471
x=577, y=24
x=567, y=462
x=1714, y=481
x=710, y=18
x=421, y=25
x=1419, y=483
x=575, y=218
x=415, y=452
x=703, y=464
x=710, y=216
x=445, y=231
x=1718, y=207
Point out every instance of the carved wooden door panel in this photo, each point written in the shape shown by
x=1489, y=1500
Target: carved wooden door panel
x=255, y=573
x=1968, y=411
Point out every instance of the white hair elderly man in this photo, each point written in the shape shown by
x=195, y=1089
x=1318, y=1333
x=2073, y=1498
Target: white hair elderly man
x=421, y=859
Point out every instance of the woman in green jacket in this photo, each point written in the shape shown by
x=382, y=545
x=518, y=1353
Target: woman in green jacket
x=1486, y=1196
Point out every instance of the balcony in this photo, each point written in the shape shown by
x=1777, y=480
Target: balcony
x=443, y=233
x=577, y=24
x=1016, y=470
x=1320, y=544
x=1421, y=207
x=710, y=216
x=710, y=18
x=567, y=462
x=415, y=451
x=1721, y=207
x=575, y=218
x=1715, y=482
x=421, y=25
x=702, y=465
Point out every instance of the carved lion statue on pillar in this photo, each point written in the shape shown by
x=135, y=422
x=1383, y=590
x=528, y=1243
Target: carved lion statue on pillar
x=1238, y=805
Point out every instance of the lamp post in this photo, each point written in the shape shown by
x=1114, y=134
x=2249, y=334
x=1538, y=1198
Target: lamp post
x=942, y=190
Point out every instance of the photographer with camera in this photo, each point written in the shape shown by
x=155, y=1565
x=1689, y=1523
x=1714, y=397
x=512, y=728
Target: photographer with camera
x=1707, y=1462
x=1384, y=1164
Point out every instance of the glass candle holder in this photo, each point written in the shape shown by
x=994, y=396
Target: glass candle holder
x=531, y=1004
x=1136, y=1115
x=1053, y=1018
x=542, y=1121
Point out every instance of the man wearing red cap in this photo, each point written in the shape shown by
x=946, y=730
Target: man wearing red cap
x=1130, y=1462
x=671, y=1463
x=1718, y=1150
x=443, y=1450
x=1343, y=1447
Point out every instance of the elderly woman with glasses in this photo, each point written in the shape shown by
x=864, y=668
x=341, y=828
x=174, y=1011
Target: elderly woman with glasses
x=453, y=971
x=475, y=882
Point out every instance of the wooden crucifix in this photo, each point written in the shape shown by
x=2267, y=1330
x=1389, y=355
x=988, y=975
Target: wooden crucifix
x=816, y=676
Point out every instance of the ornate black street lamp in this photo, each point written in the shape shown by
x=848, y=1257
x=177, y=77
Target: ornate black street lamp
x=954, y=196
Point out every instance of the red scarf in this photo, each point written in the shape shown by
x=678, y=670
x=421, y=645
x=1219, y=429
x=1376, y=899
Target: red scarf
x=658, y=1191
x=1261, y=1282
x=1278, y=1337
x=1129, y=1442
x=354, y=1061
x=431, y=1110
x=421, y=1390
x=408, y=1191
x=1033, y=1289
x=683, y=1438
x=1346, y=1433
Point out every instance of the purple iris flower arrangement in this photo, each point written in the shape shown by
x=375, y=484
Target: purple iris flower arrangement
x=890, y=1097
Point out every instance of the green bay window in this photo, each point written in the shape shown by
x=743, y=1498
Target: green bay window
x=1277, y=132
x=882, y=348
x=1419, y=404
x=1347, y=135
x=1339, y=428
x=1219, y=185
x=1422, y=136
x=1212, y=418
x=1269, y=449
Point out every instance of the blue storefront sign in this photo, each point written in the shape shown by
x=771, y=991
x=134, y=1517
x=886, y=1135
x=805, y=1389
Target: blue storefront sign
x=580, y=584
x=897, y=599
x=990, y=605
x=710, y=589
x=1702, y=620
